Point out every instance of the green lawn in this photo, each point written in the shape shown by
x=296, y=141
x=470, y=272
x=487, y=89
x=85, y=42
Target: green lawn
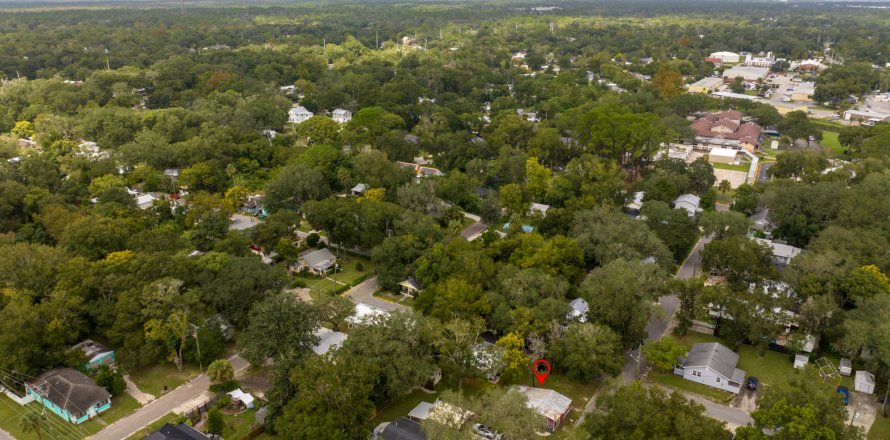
x=671, y=380
x=392, y=297
x=401, y=407
x=880, y=430
x=238, y=426
x=348, y=271
x=11, y=415
x=830, y=141
x=153, y=379
x=725, y=166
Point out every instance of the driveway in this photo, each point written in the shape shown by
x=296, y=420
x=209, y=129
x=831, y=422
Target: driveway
x=144, y=416
x=862, y=410
x=762, y=174
x=364, y=293
x=5, y=435
x=734, y=417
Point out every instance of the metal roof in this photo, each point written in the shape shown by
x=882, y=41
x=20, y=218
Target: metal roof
x=547, y=403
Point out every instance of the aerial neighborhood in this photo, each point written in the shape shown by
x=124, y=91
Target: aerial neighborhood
x=437, y=220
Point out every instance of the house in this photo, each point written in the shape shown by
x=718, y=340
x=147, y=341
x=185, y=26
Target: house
x=763, y=61
x=634, y=206
x=579, y=310
x=441, y=412
x=705, y=85
x=474, y=231
x=801, y=360
x=529, y=116
x=845, y=368
x=864, y=382
x=552, y=406
x=420, y=170
x=172, y=173
x=782, y=252
x=241, y=397
x=722, y=155
x=359, y=189
x=328, y=340
x=341, y=116
x=70, y=394
x=689, y=202
x=747, y=73
x=538, y=208
x=318, y=262
x=410, y=287
x=726, y=57
x=712, y=364
x=145, y=201
x=365, y=312
x=403, y=429
x=178, y=432
x=725, y=130
x=298, y=115
x=96, y=353
x=90, y=150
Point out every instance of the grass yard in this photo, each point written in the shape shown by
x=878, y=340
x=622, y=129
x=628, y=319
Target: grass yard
x=671, y=380
x=392, y=297
x=349, y=271
x=725, y=166
x=880, y=430
x=11, y=415
x=238, y=426
x=267, y=436
x=153, y=379
x=830, y=141
x=401, y=407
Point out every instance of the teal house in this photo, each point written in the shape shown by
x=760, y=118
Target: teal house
x=96, y=353
x=70, y=394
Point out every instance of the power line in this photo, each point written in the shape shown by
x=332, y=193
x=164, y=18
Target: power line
x=68, y=429
x=11, y=373
x=56, y=425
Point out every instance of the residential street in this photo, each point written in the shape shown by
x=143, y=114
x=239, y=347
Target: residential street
x=143, y=417
x=364, y=293
x=657, y=327
x=5, y=435
x=733, y=417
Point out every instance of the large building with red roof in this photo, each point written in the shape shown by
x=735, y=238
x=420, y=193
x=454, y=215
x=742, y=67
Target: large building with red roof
x=725, y=130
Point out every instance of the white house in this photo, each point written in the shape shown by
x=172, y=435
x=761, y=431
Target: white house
x=298, y=115
x=782, y=252
x=365, y=312
x=712, y=364
x=634, y=206
x=726, y=57
x=579, y=310
x=341, y=116
x=540, y=208
x=689, y=202
x=328, y=340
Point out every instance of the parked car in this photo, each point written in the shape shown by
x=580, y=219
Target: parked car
x=752, y=383
x=846, y=393
x=486, y=431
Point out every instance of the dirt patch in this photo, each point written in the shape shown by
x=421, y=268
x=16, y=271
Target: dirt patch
x=862, y=409
x=747, y=399
x=735, y=178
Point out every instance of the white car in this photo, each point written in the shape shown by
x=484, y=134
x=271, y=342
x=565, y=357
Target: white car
x=486, y=432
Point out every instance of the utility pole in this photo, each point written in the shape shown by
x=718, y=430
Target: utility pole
x=198, y=344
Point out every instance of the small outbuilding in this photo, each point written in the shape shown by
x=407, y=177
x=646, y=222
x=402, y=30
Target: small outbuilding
x=864, y=382
x=845, y=368
x=801, y=361
x=245, y=399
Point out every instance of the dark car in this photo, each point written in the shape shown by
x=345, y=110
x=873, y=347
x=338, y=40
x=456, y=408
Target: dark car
x=752, y=383
x=846, y=393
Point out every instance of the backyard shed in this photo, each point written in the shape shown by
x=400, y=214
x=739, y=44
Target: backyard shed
x=801, y=361
x=864, y=382
x=845, y=367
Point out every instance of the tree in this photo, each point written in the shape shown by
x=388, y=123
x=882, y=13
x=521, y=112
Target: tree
x=220, y=371
x=332, y=400
x=701, y=176
x=587, y=351
x=638, y=412
x=279, y=326
x=796, y=164
x=667, y=82
x=743, y=261
x=866, y=331
x=807, y=407
x=34, y=422
x=294, y=185
x=797, y=125
x=737, y=85
x=455, y=341
x=318, y=130
x=721, y=224
x=112, y=380
x=504, y=409
x=513, y=199
x=24, y=129
x=724, y=186
x=167, y=311
x=606, y=235
x=663, y=353
x=453, y=297
x=620, y=294
x=745, y=200
x=515, y=360
x=215, y=424
x=673, y=226
x=335, y=309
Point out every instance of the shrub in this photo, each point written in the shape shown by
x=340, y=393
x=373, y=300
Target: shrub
x=313, y=239
x=112, y=380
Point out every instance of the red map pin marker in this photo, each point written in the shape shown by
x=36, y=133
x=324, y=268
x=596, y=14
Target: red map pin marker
x=541, y=369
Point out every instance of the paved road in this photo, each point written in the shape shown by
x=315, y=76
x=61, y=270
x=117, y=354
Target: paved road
x=364, y=293
x=733, y=417
x=5, y=435
x=657, y=326
x=763, y=174
x=143, y=417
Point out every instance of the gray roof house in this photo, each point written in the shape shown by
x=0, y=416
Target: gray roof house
x=178, y=432
x=689, y=202
x=712, y=364
x=359, y=189
x=403, y=429
x=70, y=394
x=298, y=115
x=328, y=340
x=782, y=252
x=318, y=262
x=579, y=310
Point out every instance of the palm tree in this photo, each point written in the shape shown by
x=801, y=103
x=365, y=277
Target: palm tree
x=34, y=422
x=724, y=186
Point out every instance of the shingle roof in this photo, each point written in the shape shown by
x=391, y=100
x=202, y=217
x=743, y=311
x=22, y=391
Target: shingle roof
x=71, y=390
x=90, y=348
x=715, y=356
x=321, y=259
x=178, y=432
x=403, y=429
